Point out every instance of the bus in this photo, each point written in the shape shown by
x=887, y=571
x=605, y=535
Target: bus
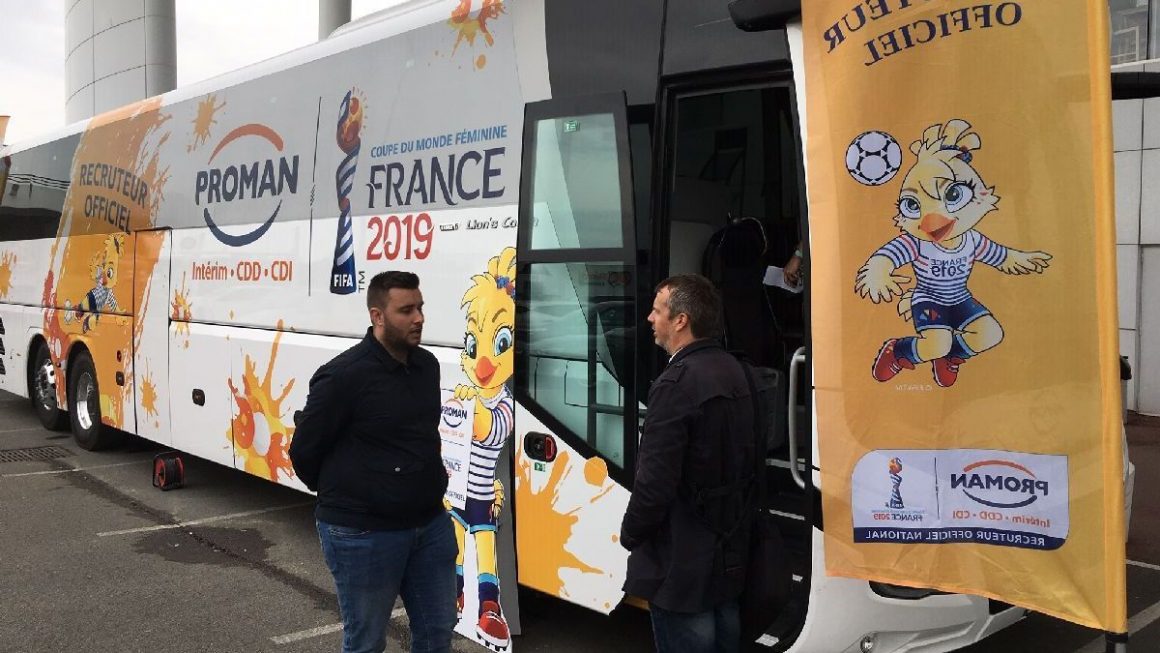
x=178, y=268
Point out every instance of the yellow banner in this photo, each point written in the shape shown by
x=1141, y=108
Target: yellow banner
x=965, y=340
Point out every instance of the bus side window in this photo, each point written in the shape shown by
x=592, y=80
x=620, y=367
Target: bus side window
x=576, y=293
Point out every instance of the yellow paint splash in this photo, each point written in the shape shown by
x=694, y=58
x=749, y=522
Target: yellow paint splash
x=7, y=261
x=181, y=309
x=468, y=28
x=263, y=447
x=203, y=124
x=543, y=552
x=149, y=394
x=595, y=471
x=129, y=139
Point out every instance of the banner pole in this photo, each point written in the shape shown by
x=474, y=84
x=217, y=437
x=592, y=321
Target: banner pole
x=1116, y=642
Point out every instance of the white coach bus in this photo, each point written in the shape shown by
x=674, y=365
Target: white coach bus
x=178, y=269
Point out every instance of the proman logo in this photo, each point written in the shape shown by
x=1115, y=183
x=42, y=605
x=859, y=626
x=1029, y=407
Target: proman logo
x=454, y=414
x=1000, y=484
x=260, y=180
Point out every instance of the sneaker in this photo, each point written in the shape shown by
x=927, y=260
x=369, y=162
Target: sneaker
x=492, y=630
x=887, y=365
x=459, y=606
x=946, y=370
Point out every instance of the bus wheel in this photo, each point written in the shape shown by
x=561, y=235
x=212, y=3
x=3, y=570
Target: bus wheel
x=42, y=391
x=85, y=403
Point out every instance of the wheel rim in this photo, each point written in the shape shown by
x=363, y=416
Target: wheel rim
x=84, y=401
x=46, y=386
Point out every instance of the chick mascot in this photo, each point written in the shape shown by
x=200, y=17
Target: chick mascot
x=943, y=199
x=105, y=267
x=488, y=360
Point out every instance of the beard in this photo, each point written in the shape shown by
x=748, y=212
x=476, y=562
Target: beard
x=406, y=338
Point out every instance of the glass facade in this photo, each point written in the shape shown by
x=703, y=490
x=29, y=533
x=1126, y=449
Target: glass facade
x=1135, y=30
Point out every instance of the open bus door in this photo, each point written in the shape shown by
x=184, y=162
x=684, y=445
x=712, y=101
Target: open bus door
x=577, y=306
x=729, y=204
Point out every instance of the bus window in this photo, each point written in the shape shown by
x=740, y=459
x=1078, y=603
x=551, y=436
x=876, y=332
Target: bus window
x=32, y=197
x=578, y=336
x=576, y=194
x=576, y=298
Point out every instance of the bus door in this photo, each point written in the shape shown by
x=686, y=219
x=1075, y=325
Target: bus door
x=729, y=205
x=150, y=377
x=577, y=304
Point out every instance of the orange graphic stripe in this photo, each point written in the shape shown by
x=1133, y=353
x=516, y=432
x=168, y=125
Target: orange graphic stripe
x=1005, y=463
x=252, y=129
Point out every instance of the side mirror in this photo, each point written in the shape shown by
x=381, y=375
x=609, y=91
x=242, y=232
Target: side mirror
x=763, y=15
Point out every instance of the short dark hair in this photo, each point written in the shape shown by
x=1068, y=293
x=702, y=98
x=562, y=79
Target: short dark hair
x=380, y=287
x=695, y=296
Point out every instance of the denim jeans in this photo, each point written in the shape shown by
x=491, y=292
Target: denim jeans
x=715, y=631
x=372, y=568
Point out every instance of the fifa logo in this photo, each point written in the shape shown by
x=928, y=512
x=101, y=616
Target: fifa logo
x=895, y=481
x=343, y=273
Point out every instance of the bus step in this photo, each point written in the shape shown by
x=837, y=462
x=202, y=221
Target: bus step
x=168, y=471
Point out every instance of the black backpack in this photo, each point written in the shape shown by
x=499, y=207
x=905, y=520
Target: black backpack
x=750, y=547
x=767, y=573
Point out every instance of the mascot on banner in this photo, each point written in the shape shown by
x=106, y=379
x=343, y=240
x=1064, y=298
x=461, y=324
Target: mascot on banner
x=943, y=199
x=489, y=361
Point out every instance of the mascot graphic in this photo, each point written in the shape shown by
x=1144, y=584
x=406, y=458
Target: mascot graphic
x=942, y=201
x=488, y=360
x=104, y=268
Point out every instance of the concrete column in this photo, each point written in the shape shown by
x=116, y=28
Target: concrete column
x=116, y=52
x=332, y=14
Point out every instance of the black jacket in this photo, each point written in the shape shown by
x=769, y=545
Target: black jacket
x=693, y=473
x=368, y=439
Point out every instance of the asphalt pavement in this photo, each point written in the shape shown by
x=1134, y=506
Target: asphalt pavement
x=94, y=558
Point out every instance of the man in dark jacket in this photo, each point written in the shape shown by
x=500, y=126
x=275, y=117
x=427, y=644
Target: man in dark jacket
x=686, y=524
x=368, y=443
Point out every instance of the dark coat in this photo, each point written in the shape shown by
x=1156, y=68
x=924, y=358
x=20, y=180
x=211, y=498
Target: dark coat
x=698, y=436
x=368, y=439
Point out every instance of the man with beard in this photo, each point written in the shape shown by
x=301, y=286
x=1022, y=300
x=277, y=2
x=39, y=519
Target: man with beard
x=368, y=443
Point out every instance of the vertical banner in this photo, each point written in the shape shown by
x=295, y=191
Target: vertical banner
x=959, y=170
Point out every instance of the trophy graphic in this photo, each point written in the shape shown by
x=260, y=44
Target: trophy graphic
x=343, y=272
x=896, y=480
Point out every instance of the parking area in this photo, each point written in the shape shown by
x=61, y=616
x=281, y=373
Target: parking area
x=96, y=559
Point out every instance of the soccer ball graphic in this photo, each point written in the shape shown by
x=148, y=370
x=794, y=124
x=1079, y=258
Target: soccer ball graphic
x=873, y=158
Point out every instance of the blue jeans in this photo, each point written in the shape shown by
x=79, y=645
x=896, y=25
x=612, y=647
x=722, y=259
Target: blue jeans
x=372, y=568
x=715, y=631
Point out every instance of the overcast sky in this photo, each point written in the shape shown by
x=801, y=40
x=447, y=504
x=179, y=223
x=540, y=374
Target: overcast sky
x=213, y=36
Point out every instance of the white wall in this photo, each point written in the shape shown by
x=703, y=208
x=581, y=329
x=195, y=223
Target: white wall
x=1136, y=128
x=117, y=51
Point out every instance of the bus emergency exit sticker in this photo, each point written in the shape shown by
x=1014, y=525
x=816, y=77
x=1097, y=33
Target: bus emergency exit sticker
x=983, y=496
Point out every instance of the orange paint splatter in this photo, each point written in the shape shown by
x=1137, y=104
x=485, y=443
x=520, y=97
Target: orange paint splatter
x=262, y=445
x=6, y=263
x=468, y=28
x=480, y=62
x=596, y=471
x=129, y=139
x=543, y=552
x=149, y=394
x=203, y=124
x=181, y=309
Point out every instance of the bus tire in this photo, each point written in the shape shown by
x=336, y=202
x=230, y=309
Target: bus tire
x=42, y=380
x=84, y=399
